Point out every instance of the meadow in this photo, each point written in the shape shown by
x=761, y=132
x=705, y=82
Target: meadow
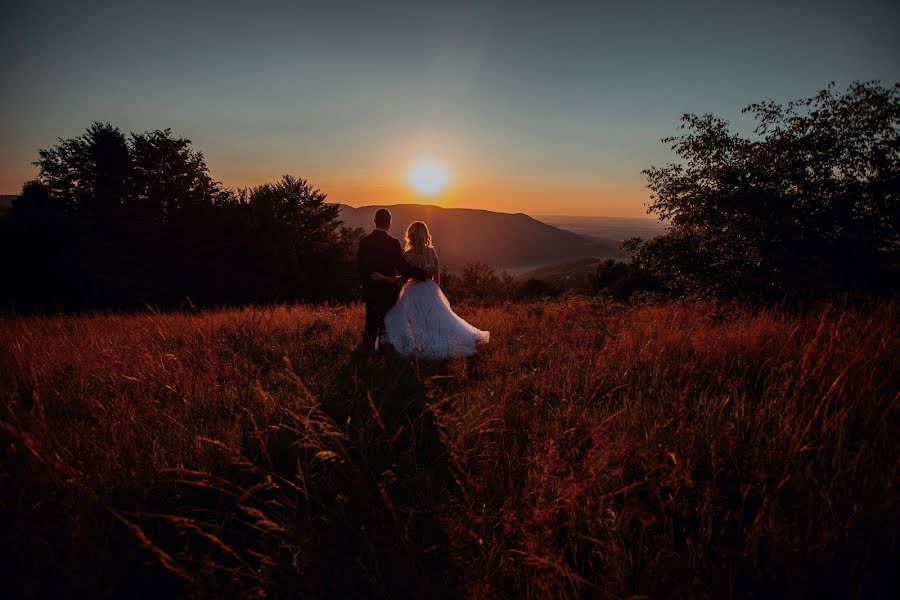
x=682, y=449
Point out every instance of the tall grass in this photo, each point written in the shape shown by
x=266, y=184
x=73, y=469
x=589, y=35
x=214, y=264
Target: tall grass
x=591, y=450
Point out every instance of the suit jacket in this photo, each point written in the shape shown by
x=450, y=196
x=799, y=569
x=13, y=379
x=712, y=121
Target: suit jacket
x=380, y=252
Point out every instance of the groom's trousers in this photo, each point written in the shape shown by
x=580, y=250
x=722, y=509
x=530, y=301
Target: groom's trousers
x=379, y=297
x=374, y=325
x=375, y=312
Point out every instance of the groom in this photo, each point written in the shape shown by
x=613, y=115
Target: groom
x=379, y=252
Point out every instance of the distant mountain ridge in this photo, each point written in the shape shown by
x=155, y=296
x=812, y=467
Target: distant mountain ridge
x=567, y=275
x=501, y=240
x=617, y=229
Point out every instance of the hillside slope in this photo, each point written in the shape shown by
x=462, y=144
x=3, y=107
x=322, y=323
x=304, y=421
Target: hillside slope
x=567, y=275
x=617, y=229
x=503, y=240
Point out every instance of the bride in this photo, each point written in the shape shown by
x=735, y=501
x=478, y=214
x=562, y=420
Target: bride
x=422, y=323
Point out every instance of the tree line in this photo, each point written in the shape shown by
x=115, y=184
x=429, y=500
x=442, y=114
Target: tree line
x=805, y=206
x=116, y=221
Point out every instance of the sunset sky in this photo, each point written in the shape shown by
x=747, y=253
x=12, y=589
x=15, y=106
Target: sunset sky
x=536, y=107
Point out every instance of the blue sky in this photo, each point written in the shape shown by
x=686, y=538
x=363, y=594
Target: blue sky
x=539, y=107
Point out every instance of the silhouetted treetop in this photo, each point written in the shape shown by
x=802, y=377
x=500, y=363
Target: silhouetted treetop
x=90, y=172
x=294, y=202
x=152, y=174
x=116, y=221
x=168, y=176
x=808, y=205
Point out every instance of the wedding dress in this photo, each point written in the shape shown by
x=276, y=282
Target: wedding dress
x=422, y=323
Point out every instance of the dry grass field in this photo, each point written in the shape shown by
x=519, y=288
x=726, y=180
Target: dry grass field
x=591, y=450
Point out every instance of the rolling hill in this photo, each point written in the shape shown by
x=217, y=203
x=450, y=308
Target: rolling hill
x=615, y=229
x=501, y=240
x=566, y=275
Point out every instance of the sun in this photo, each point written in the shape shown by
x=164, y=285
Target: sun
x=428, y=177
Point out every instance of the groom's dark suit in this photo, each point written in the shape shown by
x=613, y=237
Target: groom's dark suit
x=379, y=252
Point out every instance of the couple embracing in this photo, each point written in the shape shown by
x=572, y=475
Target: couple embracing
x=405, y=306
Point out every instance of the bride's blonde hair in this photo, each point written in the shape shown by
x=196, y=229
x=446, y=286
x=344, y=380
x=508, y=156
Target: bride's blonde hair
x=417, y=236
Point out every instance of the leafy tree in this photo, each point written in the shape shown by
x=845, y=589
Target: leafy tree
x=807, y=206
x=115, y=221
x=88, y=173
x=169, y=180
x=478, y=283
x=39, y=236
x=536, y=288
x=620, y=280
x=35, y=200
x=303, y=232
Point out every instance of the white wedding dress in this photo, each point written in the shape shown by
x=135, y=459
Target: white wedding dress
x=422, y=324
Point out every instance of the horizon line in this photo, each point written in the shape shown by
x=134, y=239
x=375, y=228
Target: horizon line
x=426, y=204
x=533, y=215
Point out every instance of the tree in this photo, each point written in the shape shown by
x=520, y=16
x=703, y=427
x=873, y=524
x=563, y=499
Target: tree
x=620, y=280
x=116, y=222
x=169, y=180
x=478, y=283
x=39, y=236
x=536, y=288
x=805, y=207
x=35, y=199
x=299, y=228
x=88, y=173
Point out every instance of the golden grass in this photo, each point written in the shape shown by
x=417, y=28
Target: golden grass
x=669, y=450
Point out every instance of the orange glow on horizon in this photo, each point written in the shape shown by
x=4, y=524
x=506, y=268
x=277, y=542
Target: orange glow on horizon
x=577, y=200
x=469, y=186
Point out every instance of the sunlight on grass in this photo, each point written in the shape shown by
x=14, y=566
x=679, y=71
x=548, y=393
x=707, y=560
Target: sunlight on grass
x=667, y=449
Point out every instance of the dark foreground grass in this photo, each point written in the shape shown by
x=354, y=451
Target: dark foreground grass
x=590, y=450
